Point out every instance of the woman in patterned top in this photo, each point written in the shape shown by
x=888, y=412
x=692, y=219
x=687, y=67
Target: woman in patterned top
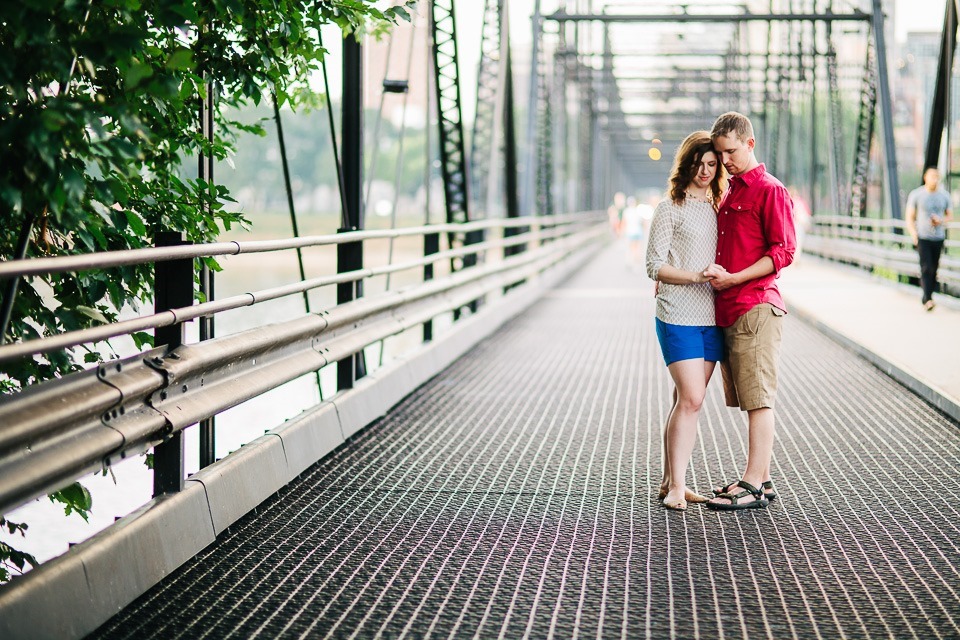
x=682, y=244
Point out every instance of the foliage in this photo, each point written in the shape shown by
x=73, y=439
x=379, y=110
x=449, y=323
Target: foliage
x=12, y=560
x=99, y=103
x=75, y=499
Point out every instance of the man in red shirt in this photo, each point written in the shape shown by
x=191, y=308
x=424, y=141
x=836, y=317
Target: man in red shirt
x=755, y=239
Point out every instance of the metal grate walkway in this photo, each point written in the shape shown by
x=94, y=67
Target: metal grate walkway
x=513, y=496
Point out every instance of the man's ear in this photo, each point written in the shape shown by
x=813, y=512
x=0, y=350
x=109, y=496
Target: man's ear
x=751, y=143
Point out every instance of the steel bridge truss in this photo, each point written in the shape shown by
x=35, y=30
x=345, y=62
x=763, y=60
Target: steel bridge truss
x=667, y=83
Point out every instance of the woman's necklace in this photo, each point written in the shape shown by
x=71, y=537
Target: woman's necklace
x=702, y=197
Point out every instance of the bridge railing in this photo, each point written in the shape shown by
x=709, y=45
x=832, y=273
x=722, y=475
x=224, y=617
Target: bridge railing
x=57, y=431
x=881, y=246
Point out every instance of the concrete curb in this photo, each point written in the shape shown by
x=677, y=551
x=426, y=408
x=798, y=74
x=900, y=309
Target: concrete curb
x=912, y=381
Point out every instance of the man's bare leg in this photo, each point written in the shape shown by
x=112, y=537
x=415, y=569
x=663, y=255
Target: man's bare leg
x=760, y=451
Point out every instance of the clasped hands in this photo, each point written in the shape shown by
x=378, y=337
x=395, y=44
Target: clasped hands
x=718, y=277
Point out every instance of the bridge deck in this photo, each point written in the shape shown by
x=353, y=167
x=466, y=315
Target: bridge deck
x=513, y=496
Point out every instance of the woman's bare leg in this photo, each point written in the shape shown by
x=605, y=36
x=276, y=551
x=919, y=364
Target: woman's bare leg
x=690, y=377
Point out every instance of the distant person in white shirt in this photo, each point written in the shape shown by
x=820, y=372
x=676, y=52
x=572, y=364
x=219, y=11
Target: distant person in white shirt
x=928, y=212
x=634, y=217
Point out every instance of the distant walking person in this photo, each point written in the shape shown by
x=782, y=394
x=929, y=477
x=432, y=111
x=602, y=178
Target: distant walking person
x=756, y=240
x=928, y=212
x=682, y=241
x=632, y=226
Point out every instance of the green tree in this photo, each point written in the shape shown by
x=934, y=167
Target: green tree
x=99, y=106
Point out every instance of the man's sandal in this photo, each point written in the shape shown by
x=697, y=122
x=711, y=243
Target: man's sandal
x=767, y=487
x=759, y=501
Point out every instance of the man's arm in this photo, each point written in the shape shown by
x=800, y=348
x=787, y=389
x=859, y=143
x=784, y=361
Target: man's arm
x=911, y=221
x=779, y=229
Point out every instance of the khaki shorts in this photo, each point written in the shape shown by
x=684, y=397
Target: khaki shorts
x=752, y=352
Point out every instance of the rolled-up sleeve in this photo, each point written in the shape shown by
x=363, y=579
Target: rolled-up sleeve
x=779, y=229
x=661, y=237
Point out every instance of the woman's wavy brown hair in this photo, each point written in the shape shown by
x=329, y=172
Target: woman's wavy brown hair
x=687, y=162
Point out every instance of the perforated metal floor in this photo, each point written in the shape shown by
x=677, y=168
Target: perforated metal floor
x=513, y=496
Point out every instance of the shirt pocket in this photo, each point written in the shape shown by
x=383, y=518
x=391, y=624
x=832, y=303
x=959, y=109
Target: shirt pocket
x=742, y=222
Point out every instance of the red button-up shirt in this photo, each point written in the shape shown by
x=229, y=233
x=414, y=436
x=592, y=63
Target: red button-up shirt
x=755, y=219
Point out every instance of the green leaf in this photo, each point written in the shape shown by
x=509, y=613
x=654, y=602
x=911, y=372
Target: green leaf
x=142, y=339
x=76, y=499
x=92, y=313
x=181, y=60
x=136, y=223
x=136, y=73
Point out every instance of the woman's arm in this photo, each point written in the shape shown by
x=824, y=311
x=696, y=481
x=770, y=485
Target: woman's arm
x=672, y=275
x=658, y=247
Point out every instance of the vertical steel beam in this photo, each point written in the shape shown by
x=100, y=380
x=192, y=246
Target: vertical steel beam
x=350, y=254
x=840, y=190
x=207, y=431
x=544, y=141
x=173, y=288
x=814, y=146
x=886, y=112
x=528, y=196
x=941, y=92
x=509, y=122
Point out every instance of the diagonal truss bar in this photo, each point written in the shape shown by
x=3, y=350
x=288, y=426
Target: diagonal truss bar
x=886, y=112
x=453, y=159
x=486, y=128
x=938, y=112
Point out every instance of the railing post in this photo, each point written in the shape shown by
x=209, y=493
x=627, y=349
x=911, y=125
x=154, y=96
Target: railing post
x=431, y=246
x=205, y=166
x=350, y=254
x=208, y=427
x=173, y=288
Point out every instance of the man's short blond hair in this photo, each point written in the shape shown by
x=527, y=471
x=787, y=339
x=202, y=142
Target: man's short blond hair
x=732, y=121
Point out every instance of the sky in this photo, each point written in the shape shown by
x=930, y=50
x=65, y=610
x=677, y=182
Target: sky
x=918, y=15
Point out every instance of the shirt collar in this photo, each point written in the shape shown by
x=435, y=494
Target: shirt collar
x=750, y=177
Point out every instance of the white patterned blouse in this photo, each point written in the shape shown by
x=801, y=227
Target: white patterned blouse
x=684, y=237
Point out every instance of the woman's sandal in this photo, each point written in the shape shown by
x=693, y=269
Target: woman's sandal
x=759, y=501
x=767, y=487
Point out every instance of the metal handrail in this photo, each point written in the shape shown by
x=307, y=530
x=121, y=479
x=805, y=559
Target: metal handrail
x=57, y=431
x=146, y=255
x=881, y=244
x=170, y=317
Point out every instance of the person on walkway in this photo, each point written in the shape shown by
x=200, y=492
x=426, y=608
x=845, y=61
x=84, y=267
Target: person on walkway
x=681, y=244
x=756, y=239
x=928, y=212
x=632, y=226
x=615, y=212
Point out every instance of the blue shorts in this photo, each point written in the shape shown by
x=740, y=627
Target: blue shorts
x=680, y=342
